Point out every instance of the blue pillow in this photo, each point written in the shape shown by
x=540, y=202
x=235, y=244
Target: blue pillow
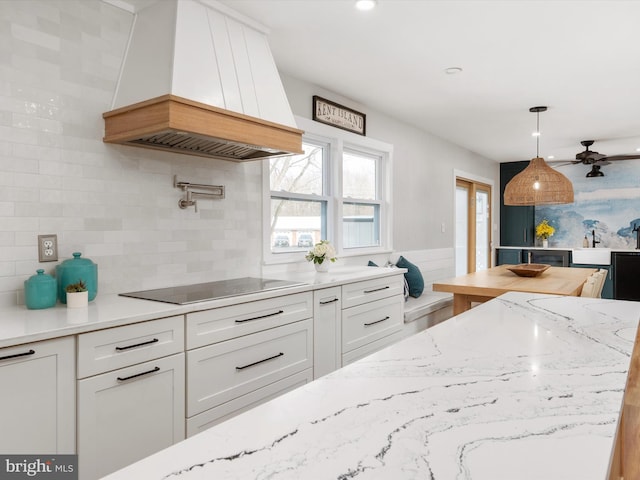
x=413, y=277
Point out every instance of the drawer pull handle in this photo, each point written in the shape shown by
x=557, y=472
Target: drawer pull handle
x=328, y=301
x=377, y=289
x=153, y=370
x=259, y=361
x=377, y=321
x=155, y=340
x=261, y=316
x=7, y=357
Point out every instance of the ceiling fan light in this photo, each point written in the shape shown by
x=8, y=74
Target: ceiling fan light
x=595, y=172
x=553, y=188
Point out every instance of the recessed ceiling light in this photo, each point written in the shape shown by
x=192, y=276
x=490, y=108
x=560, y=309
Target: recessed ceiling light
x=452, y=70
x=637, y=149
x=535, y=134
x=366, y=4
x=551, y=157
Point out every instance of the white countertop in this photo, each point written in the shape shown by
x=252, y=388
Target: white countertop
x=568, y=249
x=20, y=325
x=522, y=387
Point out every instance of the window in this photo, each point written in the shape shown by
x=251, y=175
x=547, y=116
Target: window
x=298, y=217
x=336, y=190
x=360, y=203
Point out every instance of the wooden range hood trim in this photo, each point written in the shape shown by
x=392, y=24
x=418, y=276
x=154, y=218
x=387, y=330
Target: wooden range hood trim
x=169, y=114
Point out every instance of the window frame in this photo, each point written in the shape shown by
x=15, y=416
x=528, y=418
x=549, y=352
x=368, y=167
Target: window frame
x=378, y=201
x=336, y=141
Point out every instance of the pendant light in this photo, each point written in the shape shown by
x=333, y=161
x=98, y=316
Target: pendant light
x=538, y=184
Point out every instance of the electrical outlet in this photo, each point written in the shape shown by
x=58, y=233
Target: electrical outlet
x=48, y=248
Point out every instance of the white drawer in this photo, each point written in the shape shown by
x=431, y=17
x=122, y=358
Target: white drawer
x=220, y=324
x=365, y=323
x=370, y=348
x=369, y=290
x=113, y=348
x=215, y=415
x=227, y=370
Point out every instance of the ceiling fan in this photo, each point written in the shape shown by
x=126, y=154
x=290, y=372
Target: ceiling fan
x=597, y=160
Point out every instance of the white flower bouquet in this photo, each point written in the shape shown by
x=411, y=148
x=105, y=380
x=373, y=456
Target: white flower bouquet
x=322, y=251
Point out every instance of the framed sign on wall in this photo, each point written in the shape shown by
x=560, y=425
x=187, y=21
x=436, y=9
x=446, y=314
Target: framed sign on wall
x=326, y=111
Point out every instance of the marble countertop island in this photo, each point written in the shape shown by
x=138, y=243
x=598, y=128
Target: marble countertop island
x=522, y=387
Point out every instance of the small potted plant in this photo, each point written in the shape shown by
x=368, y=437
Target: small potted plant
x=321, y=255
x=77, y=295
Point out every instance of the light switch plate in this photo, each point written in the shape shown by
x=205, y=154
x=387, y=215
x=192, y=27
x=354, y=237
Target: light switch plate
x=48, y=248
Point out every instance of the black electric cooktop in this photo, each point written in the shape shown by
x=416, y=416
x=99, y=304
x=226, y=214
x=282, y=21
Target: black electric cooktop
x=202, y=292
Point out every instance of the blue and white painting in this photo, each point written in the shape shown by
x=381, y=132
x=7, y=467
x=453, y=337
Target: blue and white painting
x=608, y=205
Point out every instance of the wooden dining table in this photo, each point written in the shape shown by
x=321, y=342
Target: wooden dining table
x=487, y=284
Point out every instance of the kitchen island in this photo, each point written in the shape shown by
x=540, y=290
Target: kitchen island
x=525, y=386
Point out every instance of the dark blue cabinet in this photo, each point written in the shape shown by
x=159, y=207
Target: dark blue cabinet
x=508, y=256
x=517, y=227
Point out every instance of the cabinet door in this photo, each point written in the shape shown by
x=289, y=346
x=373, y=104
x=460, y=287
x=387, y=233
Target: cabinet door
x=516, y=223
x=626, y=271
x=327, y=335
x=508, y=256
x=129, y=414
x=37, y=405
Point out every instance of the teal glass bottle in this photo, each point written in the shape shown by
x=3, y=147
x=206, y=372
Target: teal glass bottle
x=40, y=291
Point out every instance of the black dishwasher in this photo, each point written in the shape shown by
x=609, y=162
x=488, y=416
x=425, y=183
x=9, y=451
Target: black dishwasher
x=626, y=275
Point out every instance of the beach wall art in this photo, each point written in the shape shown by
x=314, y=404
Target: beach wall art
x=607, y=207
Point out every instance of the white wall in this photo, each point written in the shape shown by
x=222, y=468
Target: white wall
x=423, y=193
x=59, y=62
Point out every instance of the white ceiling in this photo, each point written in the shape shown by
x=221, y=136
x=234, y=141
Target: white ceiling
x=579, y=58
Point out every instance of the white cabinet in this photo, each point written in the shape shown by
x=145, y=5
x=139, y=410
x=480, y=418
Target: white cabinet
x=327, y=331
x=130, y=394
x=372, y=316
x=257, y=351
x=37, y=405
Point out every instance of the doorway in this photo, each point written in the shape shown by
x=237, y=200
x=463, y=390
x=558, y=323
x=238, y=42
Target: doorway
x=473, y=226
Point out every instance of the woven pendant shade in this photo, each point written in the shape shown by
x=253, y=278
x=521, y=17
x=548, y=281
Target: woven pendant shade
x=538, y=184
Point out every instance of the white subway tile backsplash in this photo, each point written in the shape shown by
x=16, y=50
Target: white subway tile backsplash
x=7, y=209
x=7, y=269
x=25, y=238
x=8, y=238
x=117, y=205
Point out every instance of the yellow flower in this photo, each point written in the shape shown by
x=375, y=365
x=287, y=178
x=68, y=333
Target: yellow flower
x=544, y=230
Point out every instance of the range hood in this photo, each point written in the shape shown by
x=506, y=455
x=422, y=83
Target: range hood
x=199, y=79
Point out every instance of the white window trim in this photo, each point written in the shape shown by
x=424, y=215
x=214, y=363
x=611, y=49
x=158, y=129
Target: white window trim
x=337, y=140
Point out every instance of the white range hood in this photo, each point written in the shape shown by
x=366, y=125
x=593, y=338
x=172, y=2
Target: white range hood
x=200, y=79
